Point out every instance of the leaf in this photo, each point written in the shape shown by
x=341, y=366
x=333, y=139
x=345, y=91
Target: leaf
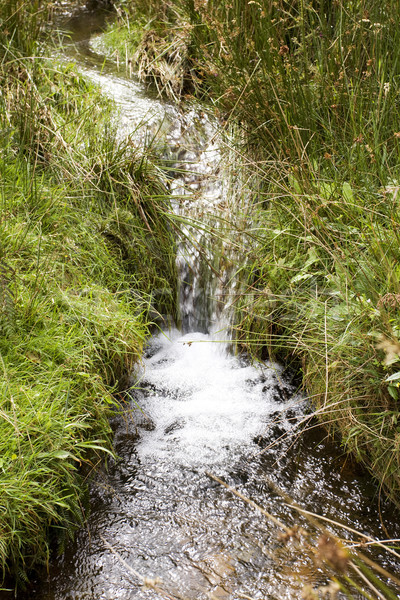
x=347, y=192
x=394, y=377
x=301, y=277
x=95, y=445
x=61, y=454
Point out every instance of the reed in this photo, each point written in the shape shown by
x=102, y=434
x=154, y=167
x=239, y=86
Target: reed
x=314, y=89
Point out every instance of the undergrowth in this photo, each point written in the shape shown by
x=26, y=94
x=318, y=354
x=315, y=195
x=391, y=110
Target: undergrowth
x=314, y=87
x=84, y=242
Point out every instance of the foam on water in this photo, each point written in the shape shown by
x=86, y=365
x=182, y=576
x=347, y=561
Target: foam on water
x=204, y=403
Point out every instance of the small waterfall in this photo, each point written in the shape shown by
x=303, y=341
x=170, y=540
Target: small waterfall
x=203, y=197
x=213, y=215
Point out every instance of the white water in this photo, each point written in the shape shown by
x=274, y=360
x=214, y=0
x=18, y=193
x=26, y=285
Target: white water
x=206, y=406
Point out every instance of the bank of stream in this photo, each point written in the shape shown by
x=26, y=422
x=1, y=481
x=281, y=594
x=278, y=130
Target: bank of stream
x=198, y=412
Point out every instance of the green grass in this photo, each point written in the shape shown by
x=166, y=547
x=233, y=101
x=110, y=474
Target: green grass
x=314, y=88
x=85, y=240
x=143, y=41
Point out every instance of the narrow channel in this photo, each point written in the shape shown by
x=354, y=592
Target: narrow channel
x=197, y=410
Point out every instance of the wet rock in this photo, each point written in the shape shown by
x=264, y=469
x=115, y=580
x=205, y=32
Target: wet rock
x=94, y=5
x=174, y=426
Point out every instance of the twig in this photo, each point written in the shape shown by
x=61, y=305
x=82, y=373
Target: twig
x=366, y=580
x=350, y=529
x=250, y=502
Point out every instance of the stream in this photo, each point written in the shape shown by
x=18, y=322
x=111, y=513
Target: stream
x=161, y=525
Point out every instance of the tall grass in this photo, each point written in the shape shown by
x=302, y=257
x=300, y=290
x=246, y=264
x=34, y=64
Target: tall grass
x=84, y=241
x=314, y=86
x=21, y=24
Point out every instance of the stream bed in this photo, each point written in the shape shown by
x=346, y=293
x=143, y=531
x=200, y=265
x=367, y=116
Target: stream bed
x=161, y=525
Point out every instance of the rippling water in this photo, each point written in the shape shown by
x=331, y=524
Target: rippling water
x=196, y=411
x=157, y=513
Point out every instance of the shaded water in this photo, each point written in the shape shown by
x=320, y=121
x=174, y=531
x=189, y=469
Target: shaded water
x=197, y=409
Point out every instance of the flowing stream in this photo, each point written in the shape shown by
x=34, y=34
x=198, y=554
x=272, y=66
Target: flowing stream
x=199, y=412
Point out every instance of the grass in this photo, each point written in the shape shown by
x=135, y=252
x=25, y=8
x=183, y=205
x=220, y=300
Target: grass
x=85, y=234
x=85, y=239
x=314, y=89
x=142, y=41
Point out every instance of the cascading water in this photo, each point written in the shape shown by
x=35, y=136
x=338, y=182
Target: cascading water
x=196, y=408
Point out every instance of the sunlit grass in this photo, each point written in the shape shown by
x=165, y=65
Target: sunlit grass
x=314, y=88
x=84, y=240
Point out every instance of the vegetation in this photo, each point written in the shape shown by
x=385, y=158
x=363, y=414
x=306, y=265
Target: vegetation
x=314, y=86
x=85, y=235
x=84, y=241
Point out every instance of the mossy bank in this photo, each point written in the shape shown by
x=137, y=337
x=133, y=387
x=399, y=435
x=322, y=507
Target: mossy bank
x=84, y=239
x=314, y=90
